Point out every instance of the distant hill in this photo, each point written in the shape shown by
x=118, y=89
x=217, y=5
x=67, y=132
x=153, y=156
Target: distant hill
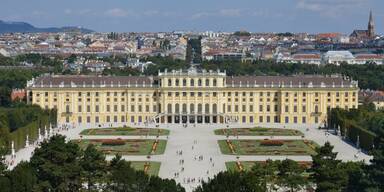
x=22, y=27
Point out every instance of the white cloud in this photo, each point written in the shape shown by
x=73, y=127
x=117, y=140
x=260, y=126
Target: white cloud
x=230, y=12
x=200, y=15
x=78, y=12
x=218, y=13
x=68, y=11
x=331, y=8
x=38, y=13
x=116, y=12
x=151, y=13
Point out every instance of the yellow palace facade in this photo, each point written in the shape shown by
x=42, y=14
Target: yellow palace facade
x=192, y=97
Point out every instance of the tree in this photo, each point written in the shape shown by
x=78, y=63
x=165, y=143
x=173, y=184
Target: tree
x=121, y=176
x=163, y=185
x=263, y=175
x=23, y=178
x=357, y=180
x=291, y=175
x=327, y=174
x=226, y=182
x=94, y=166
x=5, y=183
x=3, y=166
x=57, y=165
x=72, y=58
x=376, y=168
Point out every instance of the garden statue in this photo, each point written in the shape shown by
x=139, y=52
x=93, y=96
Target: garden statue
x=27, y=141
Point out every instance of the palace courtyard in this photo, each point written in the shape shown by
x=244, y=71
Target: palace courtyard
x=201, y=151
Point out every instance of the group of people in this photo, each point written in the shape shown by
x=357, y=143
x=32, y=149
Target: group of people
x=192, y=182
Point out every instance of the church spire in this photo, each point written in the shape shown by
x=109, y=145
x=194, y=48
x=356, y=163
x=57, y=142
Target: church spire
x=371, y=26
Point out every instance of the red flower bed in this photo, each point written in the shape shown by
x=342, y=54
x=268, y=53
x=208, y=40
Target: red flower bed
x=272, y=143
x=113, y=142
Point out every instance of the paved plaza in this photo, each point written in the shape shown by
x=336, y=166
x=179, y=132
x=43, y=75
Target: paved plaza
x=192, y=153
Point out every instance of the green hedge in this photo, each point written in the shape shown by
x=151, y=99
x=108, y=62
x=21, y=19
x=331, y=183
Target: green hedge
x=351, y=122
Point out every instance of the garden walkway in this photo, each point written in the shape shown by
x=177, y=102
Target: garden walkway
x=201, y=141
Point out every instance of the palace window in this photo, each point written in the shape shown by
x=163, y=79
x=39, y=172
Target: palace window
x=169, y=108
x=192, y=108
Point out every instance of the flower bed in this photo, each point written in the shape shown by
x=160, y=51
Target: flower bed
x=272, y=143
x=113, y=142
x=266, y=147
x=258, y=131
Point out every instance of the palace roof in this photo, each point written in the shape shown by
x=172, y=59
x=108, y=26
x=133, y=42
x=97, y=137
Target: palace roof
x=297, y=81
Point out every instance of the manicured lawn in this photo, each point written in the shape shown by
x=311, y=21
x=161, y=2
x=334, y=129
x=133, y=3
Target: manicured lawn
x=153, y=168
x=231, y=166
x=130, y=147
x=247, y=165
x=125, y=131
x=258, y=131
x=255, y=147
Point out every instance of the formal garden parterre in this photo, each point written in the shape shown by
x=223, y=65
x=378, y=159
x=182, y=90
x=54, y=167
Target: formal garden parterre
x=126, y=146
x=258, y=131
x=247, y=165
x=267, y=147
x=126, y=131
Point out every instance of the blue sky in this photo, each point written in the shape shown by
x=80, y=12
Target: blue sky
x=198, y=15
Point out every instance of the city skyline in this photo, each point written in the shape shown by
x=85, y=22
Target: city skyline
x=314, y=16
